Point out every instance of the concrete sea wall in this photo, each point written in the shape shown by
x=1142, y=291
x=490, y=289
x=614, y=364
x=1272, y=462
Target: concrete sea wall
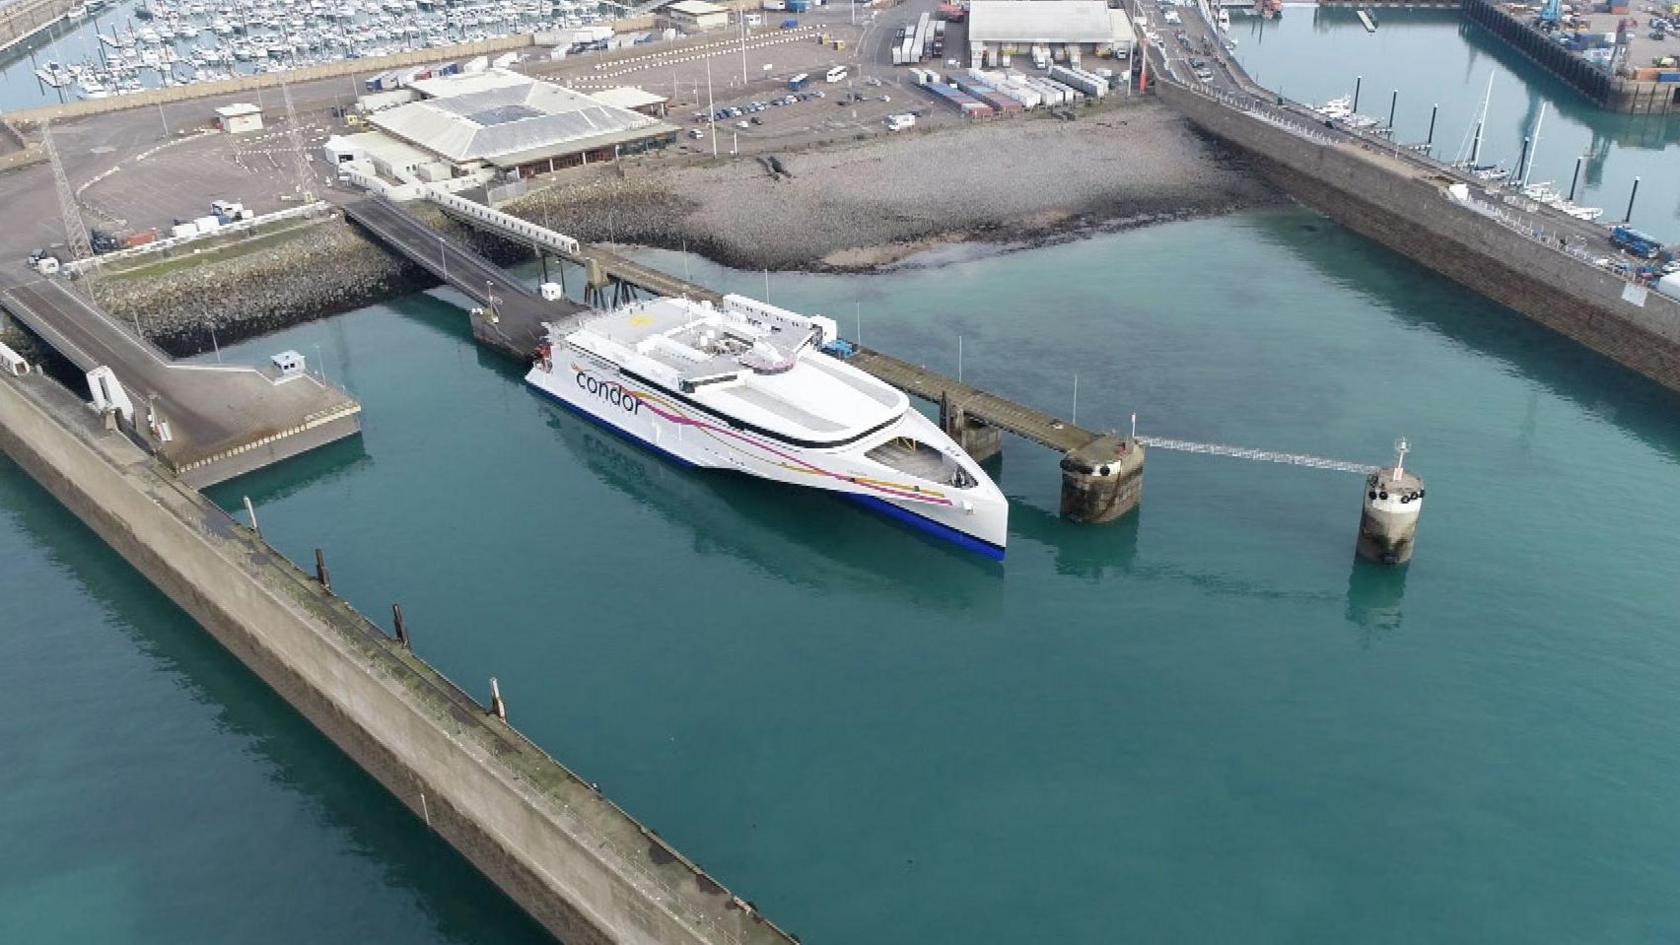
x=20, y=20
x=580, y=865
x=1404, y=208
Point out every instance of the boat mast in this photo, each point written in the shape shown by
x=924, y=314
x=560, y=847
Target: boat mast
x=1476, y=145
x=1534, y=144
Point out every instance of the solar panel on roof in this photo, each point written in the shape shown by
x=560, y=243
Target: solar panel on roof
x=502, y=114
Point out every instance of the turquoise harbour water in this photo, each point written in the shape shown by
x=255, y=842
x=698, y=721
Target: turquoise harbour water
x=1205, y=723
x=1430, y=57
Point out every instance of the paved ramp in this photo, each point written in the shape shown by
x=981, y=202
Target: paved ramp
x=223, y=420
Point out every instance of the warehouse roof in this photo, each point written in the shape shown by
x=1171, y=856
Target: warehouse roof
x=696, y=7
x=628, y=96
x=507, y=121
x=446, y=86
x=1041, y=21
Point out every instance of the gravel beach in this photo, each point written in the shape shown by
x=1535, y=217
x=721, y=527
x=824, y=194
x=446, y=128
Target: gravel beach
x=870, y=204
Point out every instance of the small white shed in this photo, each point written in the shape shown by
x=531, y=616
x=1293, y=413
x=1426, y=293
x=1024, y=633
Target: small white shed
x=239, y=118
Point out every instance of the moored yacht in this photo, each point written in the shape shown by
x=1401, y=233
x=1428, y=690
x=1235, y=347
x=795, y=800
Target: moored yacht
x=746, y=387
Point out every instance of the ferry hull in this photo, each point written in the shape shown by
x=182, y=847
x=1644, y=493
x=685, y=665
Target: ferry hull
x=975, y=519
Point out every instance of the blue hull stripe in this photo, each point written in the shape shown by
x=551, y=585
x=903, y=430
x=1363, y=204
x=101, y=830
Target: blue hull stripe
x=936, y=529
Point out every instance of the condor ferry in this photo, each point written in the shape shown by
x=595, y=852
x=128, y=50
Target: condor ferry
x=745, y=387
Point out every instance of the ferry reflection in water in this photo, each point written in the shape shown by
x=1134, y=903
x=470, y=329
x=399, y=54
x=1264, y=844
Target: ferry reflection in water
x=795, y=534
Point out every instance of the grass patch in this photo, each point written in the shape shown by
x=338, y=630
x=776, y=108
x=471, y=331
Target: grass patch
x=188, y=256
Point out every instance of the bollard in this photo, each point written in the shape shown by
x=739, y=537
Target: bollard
x=402, y=627
x=321, y=573
x=497, y=707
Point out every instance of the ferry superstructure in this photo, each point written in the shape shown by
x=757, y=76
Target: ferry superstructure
x=744, y=386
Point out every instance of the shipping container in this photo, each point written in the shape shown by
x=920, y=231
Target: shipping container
x=1079, y=79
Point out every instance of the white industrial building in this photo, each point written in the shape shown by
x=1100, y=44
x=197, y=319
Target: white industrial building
x=239, y=118
x=1046, y=30
x=695, y=16
x=500, y=121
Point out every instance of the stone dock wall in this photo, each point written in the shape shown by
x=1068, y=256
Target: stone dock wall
x=1405, y=209
x=25, y=18
x=581, y=866
x=1616, y=93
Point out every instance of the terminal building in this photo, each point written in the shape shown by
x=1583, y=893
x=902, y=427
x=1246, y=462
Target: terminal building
x=1047, y=30
x=504, y=123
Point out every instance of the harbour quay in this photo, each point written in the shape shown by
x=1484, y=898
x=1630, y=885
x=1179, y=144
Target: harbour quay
x=1607, y=55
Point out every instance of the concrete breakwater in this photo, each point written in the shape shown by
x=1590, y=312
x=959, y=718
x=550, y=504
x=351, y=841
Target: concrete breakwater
x=318, y=270
x=579, y=864
x=1406, y=208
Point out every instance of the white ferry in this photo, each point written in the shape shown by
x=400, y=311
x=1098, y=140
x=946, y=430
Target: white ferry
x=744, y=387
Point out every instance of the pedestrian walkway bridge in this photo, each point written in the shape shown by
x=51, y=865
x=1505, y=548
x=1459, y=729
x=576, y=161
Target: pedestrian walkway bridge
x=1265, y=456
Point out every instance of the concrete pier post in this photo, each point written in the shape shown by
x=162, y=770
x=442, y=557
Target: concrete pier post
x=1102, y=480
x=1389, y=514
x=252, y=512
x=321, y=573
x=400, y=625
x=979, y=440
x=497, y=707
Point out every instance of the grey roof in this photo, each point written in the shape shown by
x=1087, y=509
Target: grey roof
x=1040, y=21
x=529, y=120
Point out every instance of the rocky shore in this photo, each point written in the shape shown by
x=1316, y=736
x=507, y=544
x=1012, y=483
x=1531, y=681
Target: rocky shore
x=865, y=205
x=317, y=270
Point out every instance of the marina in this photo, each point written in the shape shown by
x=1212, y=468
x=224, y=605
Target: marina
x=140, y=44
